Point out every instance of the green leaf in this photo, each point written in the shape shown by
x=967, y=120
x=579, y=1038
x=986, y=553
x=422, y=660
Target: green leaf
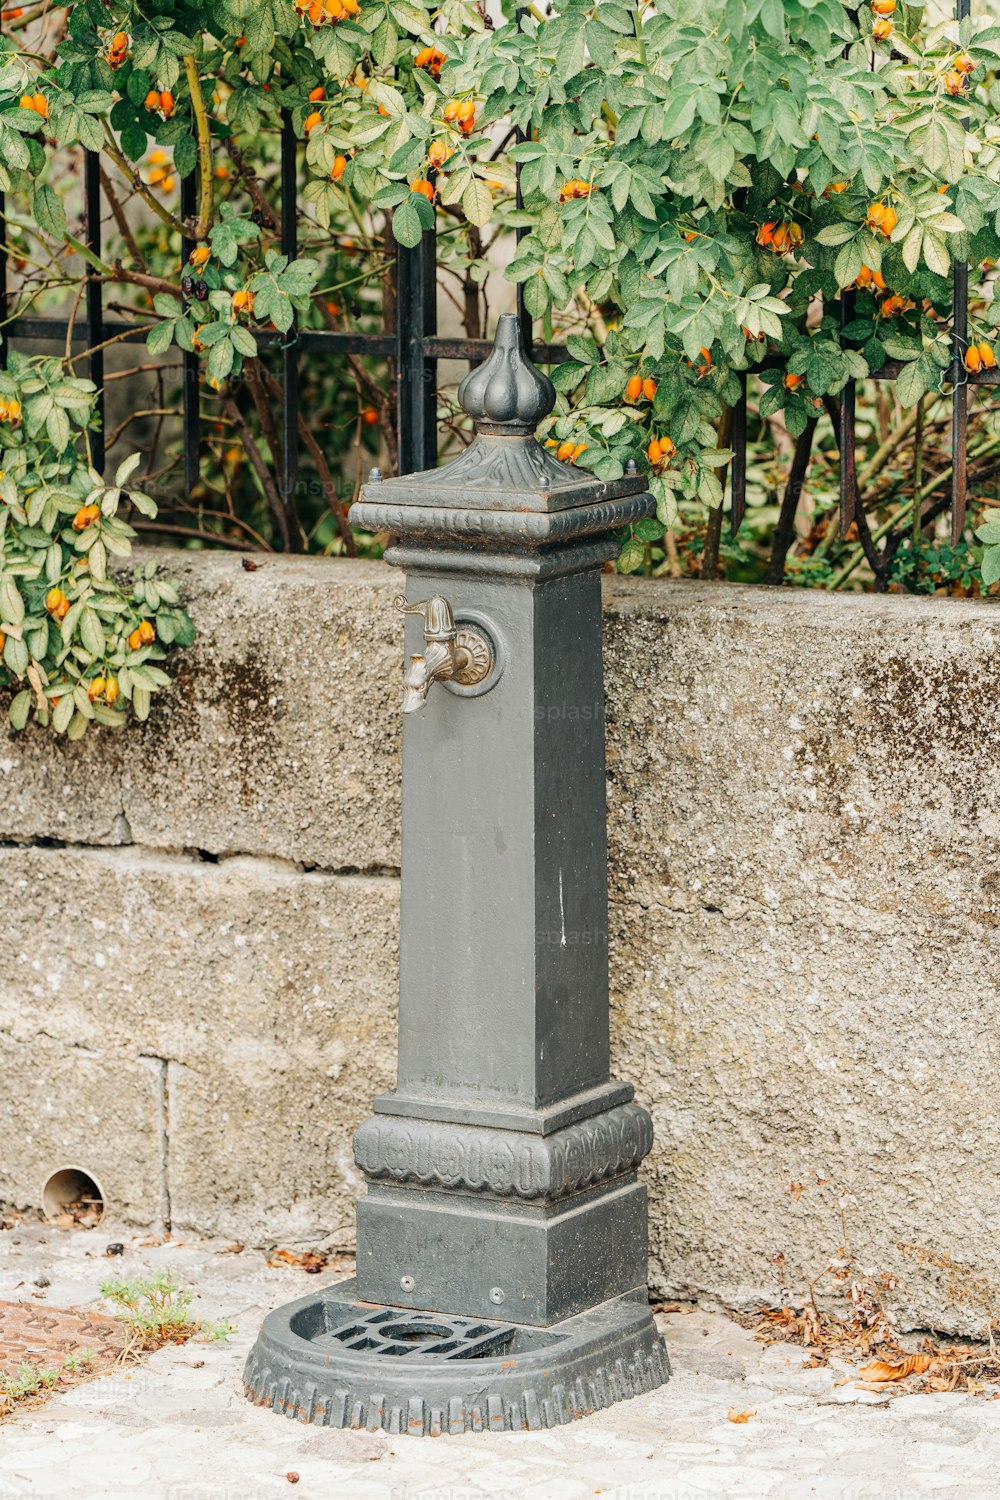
x=19, y=709
x=50, y=215
x=847, y=266
x=991, y=565
x=161, y=336
x=63, y=713
x=91, y=632
x=406, y=225
x=477, y=203
x=911, y=384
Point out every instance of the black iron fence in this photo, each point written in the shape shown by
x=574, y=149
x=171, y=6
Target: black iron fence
x=413, y=349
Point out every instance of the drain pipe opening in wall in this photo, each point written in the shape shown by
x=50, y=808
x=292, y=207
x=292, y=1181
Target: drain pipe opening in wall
x=74, y=1191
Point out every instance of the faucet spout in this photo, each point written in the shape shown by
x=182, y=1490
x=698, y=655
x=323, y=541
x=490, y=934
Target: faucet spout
x=436, y=665
x=464, y=656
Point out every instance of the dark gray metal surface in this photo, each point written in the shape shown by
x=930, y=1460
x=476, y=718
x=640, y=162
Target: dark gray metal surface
x=311, y=1363
x=502, y=1169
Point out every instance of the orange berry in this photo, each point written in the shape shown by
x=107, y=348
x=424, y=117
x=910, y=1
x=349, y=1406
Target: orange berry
x=451, y=109
x=200, y=255
x=421, y=185
x=152, y=100
x=96, y=689
x=134, y=641
x=54, y=601
x=147, y=632
x=438, y=153
x=339, y=163
x=964, y=63
x=973, y=358
x=765, y=233
x=987, y=356
x=634, y=389
x=41, y=105
x=893, y=306
x=312, y=120
x=243, y=303
x=792, y=382
x=882, y=31
x=883, y=7
x=369, y=416
x=649, y=388
x=954, y=83
x=166, y=101
x=316, y=94
x=881, y=217
x=86, y=516
x=110, y=691
x=564, y=453
x=580, y=448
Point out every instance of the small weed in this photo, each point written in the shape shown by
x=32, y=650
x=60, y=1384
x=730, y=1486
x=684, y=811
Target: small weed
x=217, y=1333
x=157, y=1311
x=26, y=1383
x=79, y=1363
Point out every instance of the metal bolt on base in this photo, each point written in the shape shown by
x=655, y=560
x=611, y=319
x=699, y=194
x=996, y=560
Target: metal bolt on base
x=502, y=1256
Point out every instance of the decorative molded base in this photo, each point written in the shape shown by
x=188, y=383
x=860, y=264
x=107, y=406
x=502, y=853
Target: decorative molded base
x=337, y=1362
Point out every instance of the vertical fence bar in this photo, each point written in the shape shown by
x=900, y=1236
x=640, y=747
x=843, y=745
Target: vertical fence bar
x=289, y=355
x=4, y=296
x=960, y=384
x=738, y=508
x=95, y=298
x=845, y=424
x=416, y=372
x=524, y=317
x=192, y=366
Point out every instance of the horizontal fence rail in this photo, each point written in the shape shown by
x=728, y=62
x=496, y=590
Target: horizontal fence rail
x=414, y=349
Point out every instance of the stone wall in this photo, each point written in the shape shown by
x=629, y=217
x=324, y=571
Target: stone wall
x=197, y=1001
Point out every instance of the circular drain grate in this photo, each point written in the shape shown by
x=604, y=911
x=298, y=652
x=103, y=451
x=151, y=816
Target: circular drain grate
x=431, y=1335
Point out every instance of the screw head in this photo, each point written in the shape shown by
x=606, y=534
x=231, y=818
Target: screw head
x=497, y=1294
x=375, y=476
x=407, y=1283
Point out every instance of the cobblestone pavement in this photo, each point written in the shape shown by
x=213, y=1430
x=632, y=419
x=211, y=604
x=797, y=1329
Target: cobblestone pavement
x=178, y=1428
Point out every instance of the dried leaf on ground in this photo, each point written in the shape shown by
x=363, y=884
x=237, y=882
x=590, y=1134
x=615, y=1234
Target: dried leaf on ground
x=882, y=1371
x=739, y=1417
x=306, y=1260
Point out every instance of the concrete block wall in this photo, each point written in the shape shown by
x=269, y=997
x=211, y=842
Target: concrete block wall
x=197, y=994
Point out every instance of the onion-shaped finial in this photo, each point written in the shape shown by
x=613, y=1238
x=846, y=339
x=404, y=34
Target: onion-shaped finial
x=507, y=391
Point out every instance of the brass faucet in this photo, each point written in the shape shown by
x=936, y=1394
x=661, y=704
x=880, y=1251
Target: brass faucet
x=453, y=654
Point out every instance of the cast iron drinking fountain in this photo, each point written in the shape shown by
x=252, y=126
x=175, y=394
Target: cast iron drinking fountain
x=501, y=1267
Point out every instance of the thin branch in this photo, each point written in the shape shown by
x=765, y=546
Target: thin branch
x=784, y=532
x=204, y=137
x=215, y=537
x=261, y=470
